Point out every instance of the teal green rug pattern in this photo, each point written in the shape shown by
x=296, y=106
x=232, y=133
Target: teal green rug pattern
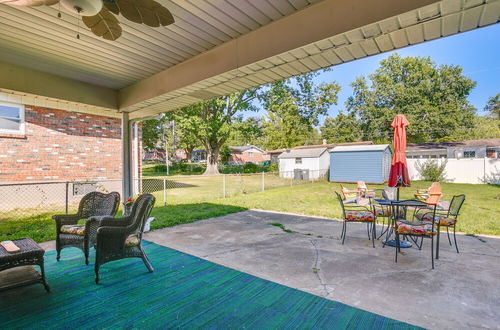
x=183, y=292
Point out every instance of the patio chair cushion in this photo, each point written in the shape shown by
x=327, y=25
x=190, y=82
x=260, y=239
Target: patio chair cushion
x=132, y=240
x=442, y=219
x=382, y=212
x=359, y=216
x=406, y=227
x=78, y=229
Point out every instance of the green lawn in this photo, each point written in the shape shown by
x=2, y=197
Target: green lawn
x=194, y=198
x=479, y=215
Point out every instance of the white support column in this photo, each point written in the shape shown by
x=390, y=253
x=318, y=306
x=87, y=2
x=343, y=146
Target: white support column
x=127, y=186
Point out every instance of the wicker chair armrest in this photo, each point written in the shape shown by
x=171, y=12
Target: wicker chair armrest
x=66, y=219
x=115, y=222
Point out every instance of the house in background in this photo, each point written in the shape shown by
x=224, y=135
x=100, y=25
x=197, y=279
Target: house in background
x=369, y=163
x=470, y=161
x=304, y=164
x=485, y=148
x=155, y=155
x=42, y=144
x=199, y=156
x=274, y=154
x=247, y=154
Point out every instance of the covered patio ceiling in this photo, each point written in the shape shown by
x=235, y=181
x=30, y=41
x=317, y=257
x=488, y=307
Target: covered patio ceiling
x=215, y=47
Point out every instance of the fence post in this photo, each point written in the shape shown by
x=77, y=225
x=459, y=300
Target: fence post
x=67, y=196
x=223, y=186
x=164, y=192
x=263, y=183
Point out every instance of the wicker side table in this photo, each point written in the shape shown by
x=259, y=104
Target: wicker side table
x=30, y=254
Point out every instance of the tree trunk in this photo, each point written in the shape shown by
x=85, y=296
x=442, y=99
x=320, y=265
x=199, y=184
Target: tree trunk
x=189, y=154
x=212, y=161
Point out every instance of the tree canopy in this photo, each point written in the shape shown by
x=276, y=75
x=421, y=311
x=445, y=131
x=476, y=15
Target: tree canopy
x=293, y=107
x=210, y=122
x=493, y=106
x=433, y=98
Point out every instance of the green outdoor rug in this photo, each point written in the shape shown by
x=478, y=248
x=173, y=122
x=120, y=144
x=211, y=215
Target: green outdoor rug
x=183, y=292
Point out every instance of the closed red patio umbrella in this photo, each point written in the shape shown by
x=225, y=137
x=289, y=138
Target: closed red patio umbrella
x=398, y=176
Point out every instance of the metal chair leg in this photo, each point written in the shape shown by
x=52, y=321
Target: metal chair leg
x=437, y=245
x=455, y=238
x=345, y=233
x=396, y=248
x=373, y=234
x=448, y=233
x=432, y=251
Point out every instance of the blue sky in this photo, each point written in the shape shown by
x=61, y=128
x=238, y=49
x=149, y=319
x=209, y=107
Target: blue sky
x=477, y=52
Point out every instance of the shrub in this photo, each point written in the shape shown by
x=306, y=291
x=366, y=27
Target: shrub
x=160, y=168
x=431, y=170
x=273, y=168
x=250, y=168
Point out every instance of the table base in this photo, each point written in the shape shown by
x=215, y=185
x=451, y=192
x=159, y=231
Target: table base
x=402, y=244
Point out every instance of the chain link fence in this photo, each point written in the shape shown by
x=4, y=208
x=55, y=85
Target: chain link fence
x=26, y=199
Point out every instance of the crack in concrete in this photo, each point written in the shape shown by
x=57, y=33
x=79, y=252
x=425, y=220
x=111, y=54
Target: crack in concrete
x=219, y=253
x=317, y=269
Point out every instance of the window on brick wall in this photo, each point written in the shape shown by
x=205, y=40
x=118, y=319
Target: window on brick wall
x=11, y=118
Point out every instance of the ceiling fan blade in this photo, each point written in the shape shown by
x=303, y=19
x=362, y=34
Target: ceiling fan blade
x=29, y=3
x=164, y=15
x=112, y=7
x=148, y=12
x=129, y=10
x=103, y=25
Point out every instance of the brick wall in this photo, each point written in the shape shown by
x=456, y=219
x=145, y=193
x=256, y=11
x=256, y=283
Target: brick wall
x=61, y=145
x=245, y=157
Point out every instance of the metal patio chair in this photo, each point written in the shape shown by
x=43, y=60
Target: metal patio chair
x=357, y=213
x=416, y=229
x=119, y=238
x=446, y=218
x=82, y=235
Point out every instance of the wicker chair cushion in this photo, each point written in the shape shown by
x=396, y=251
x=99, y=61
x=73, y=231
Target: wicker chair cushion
x=415, y=228
x=73, y=229
x=132, y=240
x=359, y=216
x=443, y=220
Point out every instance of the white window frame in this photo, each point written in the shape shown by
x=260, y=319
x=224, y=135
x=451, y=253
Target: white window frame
x=21, y=130
x=298, y=160
x=472, y=152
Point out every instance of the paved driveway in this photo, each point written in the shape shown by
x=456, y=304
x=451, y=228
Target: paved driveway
x=462, y=292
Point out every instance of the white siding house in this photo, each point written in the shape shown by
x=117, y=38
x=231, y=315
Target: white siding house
x=304, y=164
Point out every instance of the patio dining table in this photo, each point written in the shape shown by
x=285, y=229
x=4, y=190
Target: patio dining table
x=396, y=207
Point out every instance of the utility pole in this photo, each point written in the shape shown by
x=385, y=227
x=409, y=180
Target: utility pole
x=165, y=144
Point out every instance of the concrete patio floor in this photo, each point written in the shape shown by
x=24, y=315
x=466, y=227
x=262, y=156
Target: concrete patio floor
x=463, y=291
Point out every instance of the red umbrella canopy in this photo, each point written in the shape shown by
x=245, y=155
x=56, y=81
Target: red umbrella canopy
x=399, y=170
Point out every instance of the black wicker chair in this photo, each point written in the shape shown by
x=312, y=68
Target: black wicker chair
x=71, y=233
x=122, y=238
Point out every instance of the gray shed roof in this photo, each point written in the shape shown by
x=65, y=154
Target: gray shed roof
x=373, y=147
x=302, y=153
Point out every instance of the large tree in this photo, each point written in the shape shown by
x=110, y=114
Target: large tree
x=432, y=97
x=342, y=128
x=210, y=122
x=293, y=107
x=493, y=106
x=246, y=131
